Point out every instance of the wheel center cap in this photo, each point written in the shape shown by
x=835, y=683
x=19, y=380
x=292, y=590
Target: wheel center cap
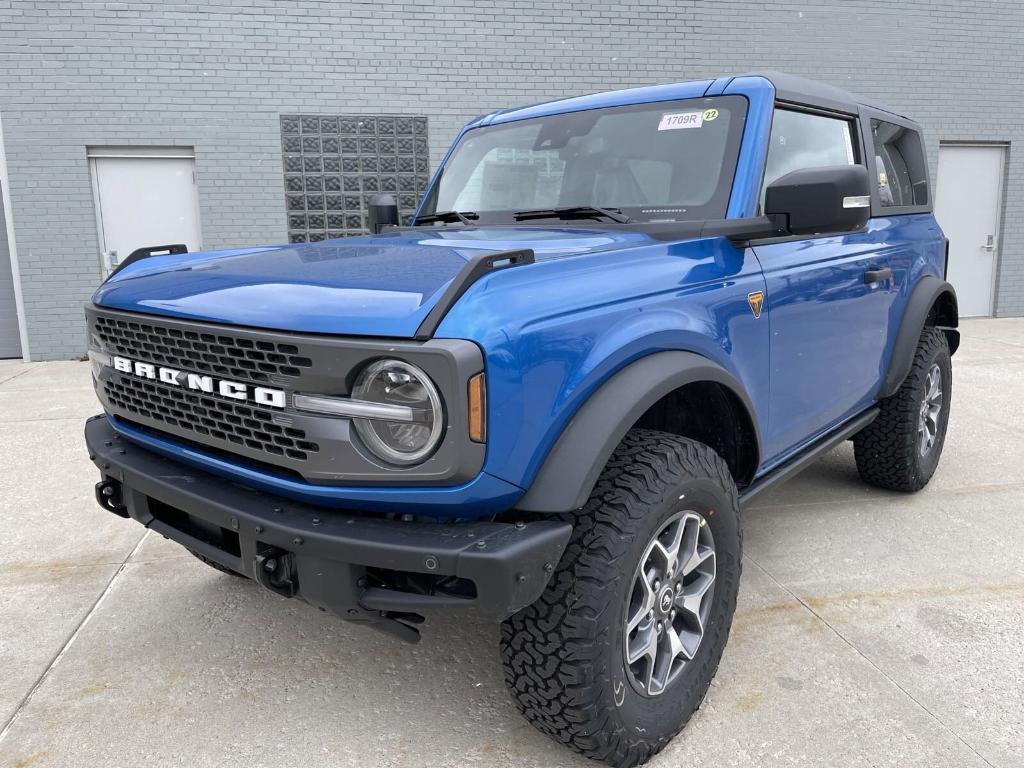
x=665, y=601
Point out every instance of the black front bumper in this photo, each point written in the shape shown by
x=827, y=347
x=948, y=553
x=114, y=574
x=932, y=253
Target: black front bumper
x=322, y=555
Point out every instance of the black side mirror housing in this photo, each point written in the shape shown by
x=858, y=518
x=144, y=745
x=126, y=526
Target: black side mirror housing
x=833, y=198
x=382, y=211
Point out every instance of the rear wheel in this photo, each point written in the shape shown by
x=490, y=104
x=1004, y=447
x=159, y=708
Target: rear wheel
x=900, y=449
x=619, y=651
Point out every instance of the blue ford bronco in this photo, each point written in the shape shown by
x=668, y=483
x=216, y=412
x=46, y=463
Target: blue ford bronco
x=613, y=321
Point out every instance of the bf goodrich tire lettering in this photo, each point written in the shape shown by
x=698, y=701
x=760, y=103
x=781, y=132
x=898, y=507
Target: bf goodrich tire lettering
x=563, y=655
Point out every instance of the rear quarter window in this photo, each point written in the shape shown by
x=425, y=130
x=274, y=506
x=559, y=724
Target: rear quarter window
x=901, y=173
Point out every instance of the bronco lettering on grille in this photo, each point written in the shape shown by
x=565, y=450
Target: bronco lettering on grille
x=201, y=383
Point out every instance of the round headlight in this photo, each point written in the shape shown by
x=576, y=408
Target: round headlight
x=393, y=382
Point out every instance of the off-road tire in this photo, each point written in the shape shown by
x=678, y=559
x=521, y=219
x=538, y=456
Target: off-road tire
x=217, y=566
x=563, y=655
x=887, y=450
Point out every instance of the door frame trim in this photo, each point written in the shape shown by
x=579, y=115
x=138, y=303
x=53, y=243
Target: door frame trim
x=101, y=237
x=1001, y=187
x=155, y=151
x=12, y=248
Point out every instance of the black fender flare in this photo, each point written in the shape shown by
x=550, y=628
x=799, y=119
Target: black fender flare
x=923, y=298
x=576, y=460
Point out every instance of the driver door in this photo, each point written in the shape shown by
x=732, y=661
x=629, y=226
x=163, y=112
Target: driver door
x=828, y=314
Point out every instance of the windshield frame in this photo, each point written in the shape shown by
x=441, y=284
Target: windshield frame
x=715, y=208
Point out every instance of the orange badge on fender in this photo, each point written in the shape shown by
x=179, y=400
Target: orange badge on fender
x=755, y=300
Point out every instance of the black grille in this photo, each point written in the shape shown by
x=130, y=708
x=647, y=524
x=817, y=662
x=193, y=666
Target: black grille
x=266, y=438
x=215, y=353
x=208, y=416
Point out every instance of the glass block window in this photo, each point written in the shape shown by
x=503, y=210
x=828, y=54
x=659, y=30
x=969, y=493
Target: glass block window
x=334, y=164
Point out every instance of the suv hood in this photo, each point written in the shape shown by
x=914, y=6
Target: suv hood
x=382, y=285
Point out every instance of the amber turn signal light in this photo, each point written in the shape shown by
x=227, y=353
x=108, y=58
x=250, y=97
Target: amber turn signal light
x=477, y=409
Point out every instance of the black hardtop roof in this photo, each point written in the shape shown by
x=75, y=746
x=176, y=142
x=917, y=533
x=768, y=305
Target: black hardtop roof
x=814, y=93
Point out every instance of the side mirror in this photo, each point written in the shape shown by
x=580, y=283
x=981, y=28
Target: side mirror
x=382, y=211
x=834, y=198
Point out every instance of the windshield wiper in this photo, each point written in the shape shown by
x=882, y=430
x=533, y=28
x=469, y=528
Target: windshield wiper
x=574, y=212
x=466, y=217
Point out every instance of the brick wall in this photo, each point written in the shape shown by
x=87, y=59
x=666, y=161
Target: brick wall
x=217, y=76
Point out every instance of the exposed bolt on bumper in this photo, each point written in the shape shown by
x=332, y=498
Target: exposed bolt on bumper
x=366, y=569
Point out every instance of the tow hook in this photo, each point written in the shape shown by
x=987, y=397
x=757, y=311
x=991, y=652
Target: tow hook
x=108, y=494
x=275, y=570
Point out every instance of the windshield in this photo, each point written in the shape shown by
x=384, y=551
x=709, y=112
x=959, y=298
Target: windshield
x=666, y=161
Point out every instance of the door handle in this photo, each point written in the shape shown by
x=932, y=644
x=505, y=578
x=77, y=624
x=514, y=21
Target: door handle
x=877, y=276
x=990, y=243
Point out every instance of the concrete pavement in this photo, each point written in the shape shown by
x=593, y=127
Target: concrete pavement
x=874, y=629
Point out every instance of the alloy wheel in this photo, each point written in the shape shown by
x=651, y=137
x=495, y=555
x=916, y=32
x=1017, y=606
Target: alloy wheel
x=931, y=407
x=669, y=603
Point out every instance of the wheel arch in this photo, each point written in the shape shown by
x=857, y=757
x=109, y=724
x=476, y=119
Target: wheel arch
x=671, y=383
x=932, y=302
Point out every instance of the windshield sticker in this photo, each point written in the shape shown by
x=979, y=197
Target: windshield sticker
x=678, y=120
x=710, y=114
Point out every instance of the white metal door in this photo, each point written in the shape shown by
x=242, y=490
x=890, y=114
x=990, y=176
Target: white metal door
x=967, y=204
x=143, y=201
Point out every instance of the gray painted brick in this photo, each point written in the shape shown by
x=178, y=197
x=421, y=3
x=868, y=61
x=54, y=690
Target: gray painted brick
x=217, y=77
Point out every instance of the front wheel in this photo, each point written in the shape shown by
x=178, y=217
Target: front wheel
x=619, y=651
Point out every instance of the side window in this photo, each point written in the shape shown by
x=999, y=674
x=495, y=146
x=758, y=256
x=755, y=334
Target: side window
x=899, y=161
x=803, y=140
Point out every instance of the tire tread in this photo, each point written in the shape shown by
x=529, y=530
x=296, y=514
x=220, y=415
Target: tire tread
x=550, y=653
x=886, y=450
